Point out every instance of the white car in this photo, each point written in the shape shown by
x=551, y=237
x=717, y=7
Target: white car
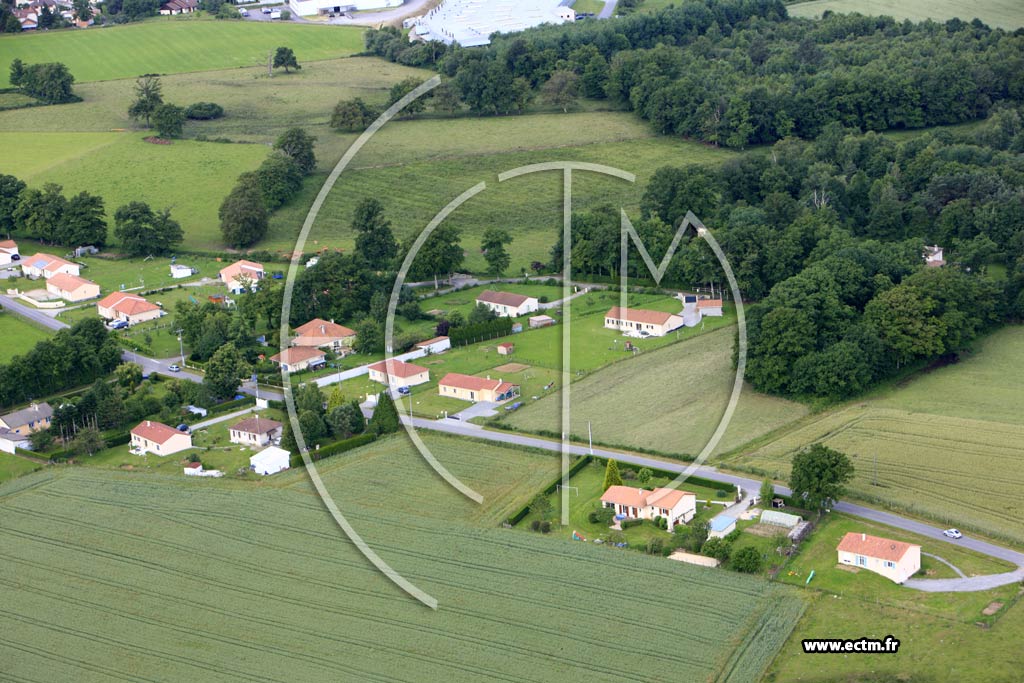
x=952, y=533
x=174, y=368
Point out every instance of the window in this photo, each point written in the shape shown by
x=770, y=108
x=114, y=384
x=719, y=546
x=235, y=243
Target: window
x=862, y=561
x=889, y=564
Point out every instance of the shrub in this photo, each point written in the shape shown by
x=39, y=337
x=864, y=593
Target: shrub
x=592, y=517
x=545, y=526
x=663, y=523
x=721, y=494
x=747, y=560
x=542, y=299
x=654, y=546
x=628, y=474
x=204, y=111
x=535, y=525
x=630, y=523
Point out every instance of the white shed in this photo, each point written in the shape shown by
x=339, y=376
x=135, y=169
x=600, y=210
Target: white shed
x=270, y=460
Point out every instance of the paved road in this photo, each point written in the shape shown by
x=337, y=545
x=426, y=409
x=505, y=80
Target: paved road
x=608, y=10
x=32, y=313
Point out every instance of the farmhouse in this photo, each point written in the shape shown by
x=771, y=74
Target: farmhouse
x=322, y=334
x=435, y=345
x=710, y=307
x=27, y=420
x=396, y=374
x=47, y=265
x=254, y=431
x=270, y=460
x=299, y=358
x=8, y=252
x=179, y=7
x=131, y=308
x=507, y=303
x=241, y=276
x=158, y=439
x=678, y=507
x=538, y=321
x=895, y=560
x=470, y=388
x=640, y=321
x=72, y=288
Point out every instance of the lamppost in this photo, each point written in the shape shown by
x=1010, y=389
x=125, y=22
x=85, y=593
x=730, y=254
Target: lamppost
x=181, y=346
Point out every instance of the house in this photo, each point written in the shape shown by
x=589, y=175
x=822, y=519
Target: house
x=158, y=439
x=506, y=348
x=8, y=252
x=397, y=374
x=28, y=18
x=47, y=265
x=23, y=422
x=678, y=507
x=507, y=303
x=179, y=271
x=241, y=276
x=270, y=460
x=299, y=358
x=710, y=307
x=721, y=526
x=470, y=388
x=72, y=288
x=895, y=560
x=641, y=322
x=254, y=431
x=11, y=441
x=538, y=321
x=131, y=308
x=933, y=256
x=565, y=14
x=435, y=345
x=322, y=334
x=783, y=519
x=179, y=7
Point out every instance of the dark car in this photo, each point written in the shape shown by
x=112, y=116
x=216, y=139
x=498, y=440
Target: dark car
x=184, y=428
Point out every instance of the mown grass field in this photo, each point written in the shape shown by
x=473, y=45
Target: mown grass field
x=13, y=466
x=946, y=445
x=1007, y=14
x=222, y=580
x=175, y=45
x=676, y=397
x=19, y=336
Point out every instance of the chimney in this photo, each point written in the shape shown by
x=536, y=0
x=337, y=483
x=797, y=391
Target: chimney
x=863, y=537
x=148, y=423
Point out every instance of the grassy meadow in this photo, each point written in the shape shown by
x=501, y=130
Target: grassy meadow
x=19, y=336
x=211, y=579
x=1007, y=14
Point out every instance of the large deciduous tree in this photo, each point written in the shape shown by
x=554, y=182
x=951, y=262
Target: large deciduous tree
x=142, y=232
x=819, y=476
x=148, y=96
x=374, y=239
x=493, y=246
x=85, y=221
x=243, y=216
x=224, y=371
x=169, y=120
x=284, y=58
x=298, y=145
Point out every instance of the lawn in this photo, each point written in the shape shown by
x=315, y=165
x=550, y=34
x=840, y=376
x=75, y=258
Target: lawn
x=175, y=45
x=676, y=395
x=19, y=336
x=199, y=579
x=1007, y=14
x=952, y=435
x=13, y=466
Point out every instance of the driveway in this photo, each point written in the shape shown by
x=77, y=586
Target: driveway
x=608, y=10
x=481, y=409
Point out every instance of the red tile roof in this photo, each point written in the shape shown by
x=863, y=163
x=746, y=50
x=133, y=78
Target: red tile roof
x=323, y=329
x=249, y=269
x=194, y=466
x=471, y=383
x=639, y=315
x=297, y=354
x=156, y=432
x=397, y=368
x=638, y=498
x=874, y=546
x=126, y=303
x=256, y=425
x=68, y=283
x=709, y=303
x=503, y=298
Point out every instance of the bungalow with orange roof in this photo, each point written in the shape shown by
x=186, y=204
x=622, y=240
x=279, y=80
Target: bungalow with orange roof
x=254, y=431
x=710, y=307
x=242, y=276
x=398, y=374
x=47, y=265
x=299, y=358
x=72, y=288
x=641, y=322
x=321, y=334
x=8, y=252
x=159, y=439
x=508, y=303
x=678, y=507
x=131, y=308
x=895, y=560
x=475, y=389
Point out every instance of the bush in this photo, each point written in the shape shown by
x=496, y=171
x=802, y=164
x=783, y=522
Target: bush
x=663, y=523
x=630, y=523
x=542, y=299
x=343, y=445
x=545, y=527
x=628, y=474
x=654, y=546
x=721, y=494
x=204, y=111
x=592, y=517
x=747, y=560
x=535, y=525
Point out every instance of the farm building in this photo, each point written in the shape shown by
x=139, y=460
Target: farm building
x=72, y=288
x=933, y=257
x=307, y=8
x=783, y=519
x=179, y=271
x=678, y=507
x=270, y=460
x=179, y=7
x=895, y=560
x=158, y=439
x=508, y=304
x=242, y=276
x=396, y=374
x=131, y=308
x=322, y=334
x=538, y=321
x=710, y=307
x=254, y=431
x=8, y=252
x=506, y=348
x=23, y=422
x=47, y=265
x=642, y=322
x=435, y=345
x=721, y=526
x=299, y=358
x=470, y=23
x=470, y=388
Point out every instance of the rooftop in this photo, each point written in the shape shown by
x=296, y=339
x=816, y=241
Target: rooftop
x=156, y=432
x=36, y=411
x=472, y=383
x=397, y=368
x=874, y=546
x=638, y=498
x=68, y=283
x=126, y=303
x=256, y=425
x=639, y=315
x=297, y=354
x=503, y=298
x=318, y=328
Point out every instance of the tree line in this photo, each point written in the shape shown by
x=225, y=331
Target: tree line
x=50, y=83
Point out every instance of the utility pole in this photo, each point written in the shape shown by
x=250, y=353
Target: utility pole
x=270, y=64
x=181, y=346
x=590, y=437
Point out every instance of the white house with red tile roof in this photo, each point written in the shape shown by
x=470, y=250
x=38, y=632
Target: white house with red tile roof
x=318, y=333
x=47, y=265
x=72, y=288
x=641, y=322
x=508, y=303
x=159, y=439
x=678, y=507
x=435, y=345
x=299, y=358
x=710, y=307
x=396, y=373
x=8, y=252
x=254, y=431
x=131, y=308
x=242, y=276
x=895, y=560
x=470, y=388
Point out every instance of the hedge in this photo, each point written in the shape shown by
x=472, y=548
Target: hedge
x=576, y=467
x=228, y=406
x=116, y=438
x=334, y=448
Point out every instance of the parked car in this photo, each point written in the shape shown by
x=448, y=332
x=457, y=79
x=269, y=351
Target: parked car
x=117, y=324
x=952, y=533
x=404, y=390
x=174, y=368
x=265, y=10
x=184, y=428
x=244, y=12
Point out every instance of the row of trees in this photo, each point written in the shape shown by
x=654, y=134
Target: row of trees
x=50, y=83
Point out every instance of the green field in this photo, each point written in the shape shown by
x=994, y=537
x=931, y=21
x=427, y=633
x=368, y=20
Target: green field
x=169, y=45
x=13, y=466
x=1007, y=14
x=676, y=395
x=19, y=336
x=246, y=581
x=946, y=445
